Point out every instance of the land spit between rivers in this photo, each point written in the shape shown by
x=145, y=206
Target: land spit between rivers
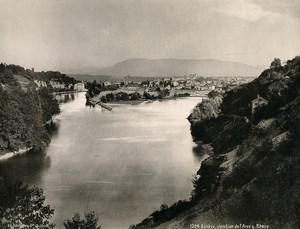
x=181, y=93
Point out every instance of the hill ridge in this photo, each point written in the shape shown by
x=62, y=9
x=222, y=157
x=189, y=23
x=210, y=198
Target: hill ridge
x=179, y=67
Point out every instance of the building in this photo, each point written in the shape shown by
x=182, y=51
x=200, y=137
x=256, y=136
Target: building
x=79, y=87
x=107, y=83
x=258, y=102
x=133, y=86
x=145, y=84
x=57, y=84
x=40, y=83
x=212, y=87
x=175, y=83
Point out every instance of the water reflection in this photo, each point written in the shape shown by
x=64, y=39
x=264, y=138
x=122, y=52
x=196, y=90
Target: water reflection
x=53, y=128
x=65, y=98
x=122, y=164
x=28, y=167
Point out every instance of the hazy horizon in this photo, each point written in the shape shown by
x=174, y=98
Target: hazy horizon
x=68, y=35
x=96, y=70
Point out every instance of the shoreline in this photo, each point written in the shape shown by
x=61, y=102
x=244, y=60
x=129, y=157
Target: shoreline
x=65, y=92
x=9, y=155
x=140, y=101
x=137, y=102
x=125, y=102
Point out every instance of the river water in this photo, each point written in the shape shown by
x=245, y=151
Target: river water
x=122, y=164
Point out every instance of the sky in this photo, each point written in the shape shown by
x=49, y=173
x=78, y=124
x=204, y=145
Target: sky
x=77, y=34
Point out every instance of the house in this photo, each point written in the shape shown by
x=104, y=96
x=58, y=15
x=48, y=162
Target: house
x=40, y=83
x=79, y=87
x=258, y=102
x=57, y=84
x=212, y=87
x=106, y=83
x=168, y=87
x=175, y=83
x=145, y=83
x=133, y=86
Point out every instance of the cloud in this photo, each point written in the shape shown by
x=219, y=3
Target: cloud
x=288, y=8
x=243, y=9
x=63, y=34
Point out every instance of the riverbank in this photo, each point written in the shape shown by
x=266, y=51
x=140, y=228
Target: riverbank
x=66, y=92
x=251, y=177
x=117, y=156
x=9, y=155
x=127, y=102
x=140, y=101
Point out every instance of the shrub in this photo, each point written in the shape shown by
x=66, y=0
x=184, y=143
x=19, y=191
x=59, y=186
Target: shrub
x=90, y=222
x=104, y=99
x=22, y=206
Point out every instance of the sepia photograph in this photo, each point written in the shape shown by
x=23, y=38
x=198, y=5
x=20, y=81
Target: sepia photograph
x=149, y=114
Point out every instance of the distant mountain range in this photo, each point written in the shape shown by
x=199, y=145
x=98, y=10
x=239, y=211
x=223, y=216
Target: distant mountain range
x=177, y=67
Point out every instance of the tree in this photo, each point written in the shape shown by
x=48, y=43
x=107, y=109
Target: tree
x=125, y=96
x=7, y=78
x=22, y=206
x=90, y=222
x=135, y=96
x=147, y=95
x=212, y=94
x=103, y=99
x=276, y=63
x=164, y=206
x=49, y=104
x=97, y=90
x=205, y=110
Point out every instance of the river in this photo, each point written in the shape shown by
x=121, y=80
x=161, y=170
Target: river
x=122, y=164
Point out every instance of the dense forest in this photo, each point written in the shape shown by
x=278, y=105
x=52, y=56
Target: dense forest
x=23, y=113
x=25, y=118
x=251, y=175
